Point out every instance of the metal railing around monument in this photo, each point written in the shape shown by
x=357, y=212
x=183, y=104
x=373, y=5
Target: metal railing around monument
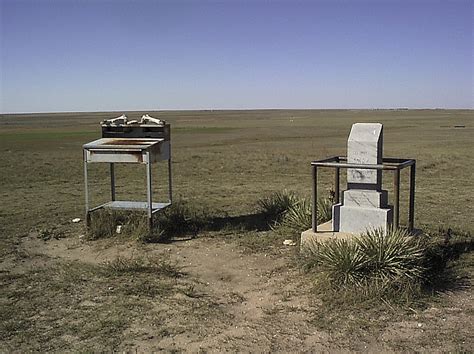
x=390, y=164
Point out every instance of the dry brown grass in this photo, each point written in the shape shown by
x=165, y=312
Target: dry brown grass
x=228, y=160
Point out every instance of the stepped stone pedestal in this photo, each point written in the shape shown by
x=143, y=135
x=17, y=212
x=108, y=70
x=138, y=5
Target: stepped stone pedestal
x=364, y=203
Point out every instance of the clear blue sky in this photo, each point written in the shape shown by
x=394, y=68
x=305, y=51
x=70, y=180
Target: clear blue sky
x=128, y=55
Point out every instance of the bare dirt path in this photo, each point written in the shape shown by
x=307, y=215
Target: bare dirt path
x=254, y=302
x=261, y=302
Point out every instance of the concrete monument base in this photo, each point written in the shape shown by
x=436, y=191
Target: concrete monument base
x=325, y=233
x=355, y=219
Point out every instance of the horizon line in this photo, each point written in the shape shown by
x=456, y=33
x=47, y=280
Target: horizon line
x=243, y=109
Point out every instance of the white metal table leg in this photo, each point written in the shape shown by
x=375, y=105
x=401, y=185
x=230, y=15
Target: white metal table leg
x=149, y=193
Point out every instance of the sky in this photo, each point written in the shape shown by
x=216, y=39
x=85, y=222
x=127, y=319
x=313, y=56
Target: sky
x=104, y=55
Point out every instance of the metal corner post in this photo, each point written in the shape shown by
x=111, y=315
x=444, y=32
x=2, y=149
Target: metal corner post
x=112, y=181
x=411, y=207
x=396, y=203
x=314, y=214
x=86, y=190
x=336, y=185
x=149, y=193
x=170, y=183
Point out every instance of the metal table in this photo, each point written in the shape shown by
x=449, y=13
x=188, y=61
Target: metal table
x=128, y=150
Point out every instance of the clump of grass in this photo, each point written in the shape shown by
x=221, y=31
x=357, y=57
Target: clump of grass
x=297, y=217
x=325, y=209
x=49, y=233
x=104, y=223
x=380, y=272
x=341, y=261
x=179, y=219
x=275, y=205
x=394, y=255
x=121, y=265
x=128, y=265
x=375, y=264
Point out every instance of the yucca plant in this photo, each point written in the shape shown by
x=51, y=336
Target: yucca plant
x=276, y=204
x=392, y=254
x=298, y=215
x=324, y=210
x=343, y=262
x=377, y=258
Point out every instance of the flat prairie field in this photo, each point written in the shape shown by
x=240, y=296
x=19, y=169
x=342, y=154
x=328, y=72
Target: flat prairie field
x=226, y=160
x=55, y=296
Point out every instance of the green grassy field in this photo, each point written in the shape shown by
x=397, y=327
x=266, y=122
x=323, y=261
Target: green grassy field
x=223, y=162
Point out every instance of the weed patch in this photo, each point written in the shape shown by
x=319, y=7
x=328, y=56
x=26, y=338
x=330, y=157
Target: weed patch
x=274, y=206
x=128, y=265
x=104, y=224
x=287, y=212
x=448, y=259
x=298, y=216
x=50, y=233
x=179, y=219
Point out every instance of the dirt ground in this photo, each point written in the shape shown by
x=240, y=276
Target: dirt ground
x=247, y=302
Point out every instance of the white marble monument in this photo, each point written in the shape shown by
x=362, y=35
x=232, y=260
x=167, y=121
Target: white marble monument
x=364, y=203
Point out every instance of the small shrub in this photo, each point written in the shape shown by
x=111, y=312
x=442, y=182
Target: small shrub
x=342, y=261
x=377, y=271
x=276, y=204
x=177, y=220
x=298, y=217
x=391, y=260
x=395, y=255
x=104, y=223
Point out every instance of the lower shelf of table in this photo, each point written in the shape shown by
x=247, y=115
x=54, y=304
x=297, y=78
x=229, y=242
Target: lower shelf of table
x=128, y=205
